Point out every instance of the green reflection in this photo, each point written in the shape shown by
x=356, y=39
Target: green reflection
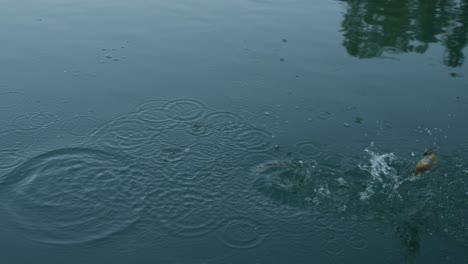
x=374, y=27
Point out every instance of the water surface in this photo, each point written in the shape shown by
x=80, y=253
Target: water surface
x=257, y=131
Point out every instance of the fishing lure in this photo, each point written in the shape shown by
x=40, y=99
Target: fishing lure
x=427, y=162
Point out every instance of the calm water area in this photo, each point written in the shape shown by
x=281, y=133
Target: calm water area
x=250, y=131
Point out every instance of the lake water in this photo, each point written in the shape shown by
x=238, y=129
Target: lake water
x=251, y=131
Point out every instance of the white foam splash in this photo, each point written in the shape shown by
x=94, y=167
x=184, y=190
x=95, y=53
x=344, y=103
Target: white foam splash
x=379, y=165
x=366, y=194
x=322, y=190
x=342, y=182
x=381, y=171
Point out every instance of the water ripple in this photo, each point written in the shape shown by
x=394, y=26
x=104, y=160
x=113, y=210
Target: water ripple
x=185, y=109
x=81, y=125
x=71, y=196
x=16, y=139
x=125, y=133
x=223, y=121
x=184, y=212
x=242, y=233
x=35, y=121
x=11, y=157
x=154, y=114
x=11, y=99
x=252, y=139
x=357, y=241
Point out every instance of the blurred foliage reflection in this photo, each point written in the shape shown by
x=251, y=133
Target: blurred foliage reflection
x=372, y=28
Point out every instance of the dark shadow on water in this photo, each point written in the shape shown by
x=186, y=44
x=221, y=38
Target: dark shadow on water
x=378, y=28
x=408, y=233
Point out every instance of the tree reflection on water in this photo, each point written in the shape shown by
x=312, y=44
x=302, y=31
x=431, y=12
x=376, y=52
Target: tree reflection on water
x=374, y=27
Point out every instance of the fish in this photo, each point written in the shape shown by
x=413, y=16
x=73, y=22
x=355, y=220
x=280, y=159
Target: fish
x=427, y=162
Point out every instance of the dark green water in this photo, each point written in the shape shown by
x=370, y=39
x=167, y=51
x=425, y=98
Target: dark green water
x=259, y=131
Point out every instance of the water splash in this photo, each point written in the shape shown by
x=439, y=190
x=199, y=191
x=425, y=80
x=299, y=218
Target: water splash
x=379, y=166
x=385, y=178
